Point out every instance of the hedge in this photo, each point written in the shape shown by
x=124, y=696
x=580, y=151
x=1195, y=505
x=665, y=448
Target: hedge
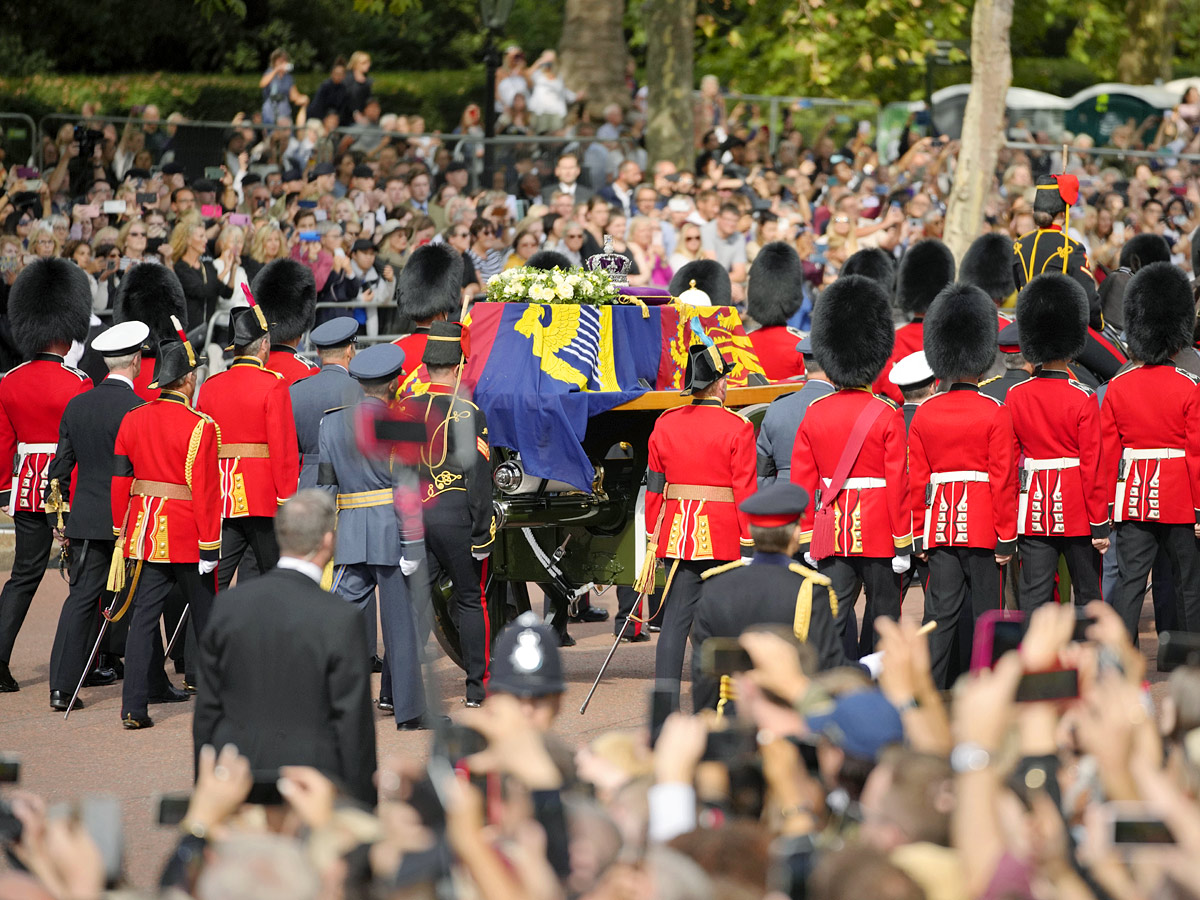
x=439, y=96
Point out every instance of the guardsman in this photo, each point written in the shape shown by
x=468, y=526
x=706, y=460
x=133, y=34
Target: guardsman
x=166, y=511
x=86, y=439
x=962, y=468
x=926, y=268
x=773, y=295
x=777, y=434
x=1016, y=367
x=915, y=380
x=1140, y=250
x=456, y=496
x=332, y=386
x=377, y=546
x=49, y=306
x=1150, y=433
x=701, y=467
x=859, y=532
x=258, y=459
x=1049, y=248
x=428, y=290
x=770, y=589
x=707, y=276
x=150, y=294
x=987, y=264
x=1063, y=506
x=287, y=294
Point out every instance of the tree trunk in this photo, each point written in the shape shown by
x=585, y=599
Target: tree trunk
x=983, y=122
x=1149, y=44
x=669, y=60
x=592, y=52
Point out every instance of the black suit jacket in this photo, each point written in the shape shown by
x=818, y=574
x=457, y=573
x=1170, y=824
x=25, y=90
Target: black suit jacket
x=86, y=436
x=284, y=674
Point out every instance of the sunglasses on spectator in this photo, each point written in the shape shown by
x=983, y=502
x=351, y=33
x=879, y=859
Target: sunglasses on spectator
x=691, y=238
x=574, y=237
x=137, y=234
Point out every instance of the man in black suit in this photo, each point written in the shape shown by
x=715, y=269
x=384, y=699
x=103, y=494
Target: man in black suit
x=566, y=181
x=86, y=436
x=284, y=672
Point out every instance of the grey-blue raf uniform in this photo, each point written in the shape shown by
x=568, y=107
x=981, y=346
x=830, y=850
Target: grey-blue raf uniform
x=370, y=536
x=781, y=422
x=315, y=395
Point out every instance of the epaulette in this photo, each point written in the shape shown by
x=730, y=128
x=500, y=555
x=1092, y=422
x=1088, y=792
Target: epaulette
x=809, y=573
x=990, y=380
x=888, y=400
x=817, y=400
x=334, y=409
x=995, y=400
x=1133, y=368
x=717, y=570
x=78, y=373
x=1081, y=386
x=19, y=366
x=735, y=412
x=1194, y=378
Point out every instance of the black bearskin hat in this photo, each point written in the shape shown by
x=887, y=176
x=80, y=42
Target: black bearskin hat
x=548, y=259
x=925, y=269
x=876, y=264
x=960, y=332
x=50, y=302
x=710, y=276
x=150, y=294
x=431, y=283
x=287, y=293
x=988, y=264
x=852, y=331
x=1052, y=318
x=1159, y=313
x=1143, y=249
x=776, y=284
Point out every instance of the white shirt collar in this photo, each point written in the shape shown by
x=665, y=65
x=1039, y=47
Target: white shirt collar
x=303, y=566
x=112, y=376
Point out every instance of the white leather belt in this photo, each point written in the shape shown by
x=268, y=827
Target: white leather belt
x=956, y=477
x=27, y=449
x=1044, y=465
x=860, y=484
x=1155, y=453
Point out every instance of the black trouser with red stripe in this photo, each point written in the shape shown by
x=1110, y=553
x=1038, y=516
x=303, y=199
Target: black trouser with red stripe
x=1039, y=564
x=448, y=549
x=958, y=576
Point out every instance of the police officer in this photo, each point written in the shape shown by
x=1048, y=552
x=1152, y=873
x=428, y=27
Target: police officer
x=527, y=664
x=772, y=588
x=777, y=434
x=86, y=439
x=456, y=496
x=376, y=548
x=258, y=458
x=49, y=306
x=332, y=386
x=701, y=467
x=166, y=504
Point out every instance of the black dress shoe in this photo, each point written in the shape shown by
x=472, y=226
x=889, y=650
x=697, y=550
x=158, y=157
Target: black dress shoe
x=376, y=664
x=60, y=699
x=590, y=614
x=8, y=684
x=654, y=629
x=422, y=723
x=111, y=661
x=385, y=704
x=189, y=687
x=472, y=704
x=635, y=638
x=565, y=640
x=100, y=677
x=172, y=694
x=132, y=721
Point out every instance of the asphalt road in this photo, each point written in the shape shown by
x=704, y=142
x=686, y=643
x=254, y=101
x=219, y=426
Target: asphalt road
x=91, y=753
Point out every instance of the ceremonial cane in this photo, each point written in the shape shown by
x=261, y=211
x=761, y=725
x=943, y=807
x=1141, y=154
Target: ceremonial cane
x=87, y=668
x=607, y=660
x=108, y=617
x=178, y=628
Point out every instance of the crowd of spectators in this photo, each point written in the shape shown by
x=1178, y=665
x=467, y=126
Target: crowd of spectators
x=350, y=190
x=814, y=785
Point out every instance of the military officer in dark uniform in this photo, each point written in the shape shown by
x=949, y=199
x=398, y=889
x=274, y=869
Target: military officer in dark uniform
x=376, y=548
x=85, y=440
x=456, y=496
x=1049, y=248
x=1016, y=367
x=783, y=417
x=770, y=589
x=913, y=377
x=331, y=387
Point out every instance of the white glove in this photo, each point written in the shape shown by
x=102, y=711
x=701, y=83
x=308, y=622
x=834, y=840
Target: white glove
x=408, y=566
x=874, y=663
x=207, y=565
x=481, y=556
x=900, y=564
x=812, y=563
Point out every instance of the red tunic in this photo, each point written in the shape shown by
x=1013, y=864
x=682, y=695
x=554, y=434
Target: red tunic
x=413, y=346
x=965, y=438
x=871, y=519
x=167, y=441
x=775, y=347
x=145, y=376
x=1150, y=457
x=253, y=408
x=287, y=362
x=703, y=445
x=1057, y=418
x=32, y=399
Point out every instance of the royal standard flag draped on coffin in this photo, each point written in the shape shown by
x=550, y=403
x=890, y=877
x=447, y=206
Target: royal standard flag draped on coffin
x=540, y=371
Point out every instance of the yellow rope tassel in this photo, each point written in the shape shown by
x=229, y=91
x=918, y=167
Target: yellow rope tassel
x=645, y=579
x=54, y=503
x=728, y=692
x=327, y=577
x=116, y=569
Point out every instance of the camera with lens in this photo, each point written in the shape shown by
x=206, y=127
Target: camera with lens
x=87, y=139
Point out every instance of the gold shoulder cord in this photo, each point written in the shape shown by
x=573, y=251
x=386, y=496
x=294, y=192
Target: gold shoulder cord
x=192, y=450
